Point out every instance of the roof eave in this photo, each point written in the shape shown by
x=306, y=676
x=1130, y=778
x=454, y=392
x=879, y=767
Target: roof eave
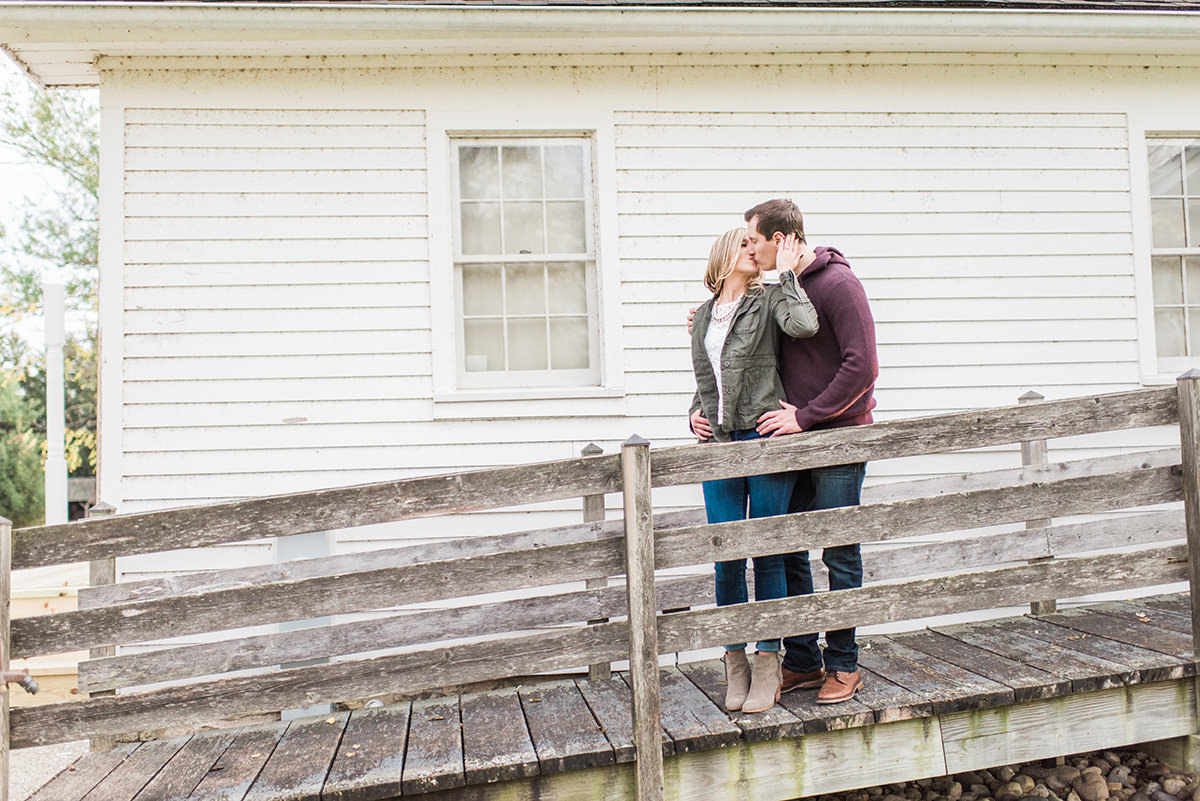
x=42, y=36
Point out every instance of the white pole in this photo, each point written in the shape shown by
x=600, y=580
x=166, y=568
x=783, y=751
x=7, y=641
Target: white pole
x=54, y=303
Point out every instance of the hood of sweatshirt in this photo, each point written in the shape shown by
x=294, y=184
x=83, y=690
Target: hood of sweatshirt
x=825, y=257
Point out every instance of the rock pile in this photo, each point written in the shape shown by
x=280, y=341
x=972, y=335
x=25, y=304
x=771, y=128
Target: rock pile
x=1118, y=775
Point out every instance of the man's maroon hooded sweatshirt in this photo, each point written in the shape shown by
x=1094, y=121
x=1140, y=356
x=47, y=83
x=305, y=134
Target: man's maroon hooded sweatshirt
x=830, y=377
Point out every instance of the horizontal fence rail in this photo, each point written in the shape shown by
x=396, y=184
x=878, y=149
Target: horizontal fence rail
x=263, y=598
x=413, y=651
x=323, y=510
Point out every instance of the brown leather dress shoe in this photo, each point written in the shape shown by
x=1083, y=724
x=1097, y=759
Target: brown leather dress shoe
x=839, y=686
x=810, y=680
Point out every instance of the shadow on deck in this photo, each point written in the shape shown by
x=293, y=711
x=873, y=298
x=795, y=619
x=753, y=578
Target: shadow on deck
x=944, y=700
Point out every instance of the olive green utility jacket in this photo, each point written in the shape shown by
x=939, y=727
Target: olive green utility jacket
x=749, y=378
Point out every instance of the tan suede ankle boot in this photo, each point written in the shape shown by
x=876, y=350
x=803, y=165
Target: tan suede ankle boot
x=766, y=679
x=737, y=679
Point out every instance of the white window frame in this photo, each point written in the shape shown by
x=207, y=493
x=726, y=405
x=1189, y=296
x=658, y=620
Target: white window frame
x=1143, y=129
x=442, y=128
x=497, y=379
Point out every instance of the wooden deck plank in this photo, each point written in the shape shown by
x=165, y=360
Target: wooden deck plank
x=78, y=779
x=692, y=721
x=773, y=724
x=1024, y=639
x=948, y=687
x=1180, y=602
x=610, y=701
x=1028, y=683
x=496, y=743
x=370, y=761
x=434, y=759
x=826, y=717
x=1123, y=627
x=231, y=776
x=188, y=767
x=1163, y=617
x=299, y=763
x=889, y=701
x=1146, y=665
x=566, y=735
x=136, y=771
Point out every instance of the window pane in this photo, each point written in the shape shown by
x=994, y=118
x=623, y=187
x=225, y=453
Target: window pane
x=526, y=289
x=522, y=171
x=482, y=289
x=569, y=343
x=1192, y=154
x=480, y=228
x=565, y=227
x=1194, y=223
x=483, y=345
x=1166, y=178
x=1167, y=222
x=568, y=287
x=1193, y=330
x=527, y=344
x=524, y=228
x=1191, y=267
x=1168, y=283
x=478, y=172
x=564, y=171
x=1168, y=331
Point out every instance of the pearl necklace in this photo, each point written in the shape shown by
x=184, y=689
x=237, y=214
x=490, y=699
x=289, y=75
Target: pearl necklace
x=721, y=317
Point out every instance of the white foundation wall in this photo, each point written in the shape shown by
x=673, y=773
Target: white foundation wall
x=273, y=290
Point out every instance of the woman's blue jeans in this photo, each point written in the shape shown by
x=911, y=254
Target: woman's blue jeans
x=825, y=488
x=738, y=499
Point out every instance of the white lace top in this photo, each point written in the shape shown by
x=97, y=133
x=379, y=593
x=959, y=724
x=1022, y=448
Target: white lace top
x=714, y=342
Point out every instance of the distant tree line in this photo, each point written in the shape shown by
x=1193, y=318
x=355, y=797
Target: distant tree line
x=55, y=236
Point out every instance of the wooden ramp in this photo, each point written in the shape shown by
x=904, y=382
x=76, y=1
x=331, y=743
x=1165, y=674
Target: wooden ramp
x=938, y=701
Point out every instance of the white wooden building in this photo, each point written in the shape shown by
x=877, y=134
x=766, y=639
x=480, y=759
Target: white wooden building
x=353, y=241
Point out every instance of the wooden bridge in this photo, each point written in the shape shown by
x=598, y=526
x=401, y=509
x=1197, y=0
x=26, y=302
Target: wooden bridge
x=471, y=723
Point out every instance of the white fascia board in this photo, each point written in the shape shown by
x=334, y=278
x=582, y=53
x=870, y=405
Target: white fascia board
x=37, y=33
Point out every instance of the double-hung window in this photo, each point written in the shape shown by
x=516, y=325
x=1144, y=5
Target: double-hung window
x=524, y=262
x=1174, y=173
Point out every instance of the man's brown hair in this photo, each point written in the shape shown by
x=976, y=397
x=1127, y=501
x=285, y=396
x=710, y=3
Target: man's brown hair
x=777, y=216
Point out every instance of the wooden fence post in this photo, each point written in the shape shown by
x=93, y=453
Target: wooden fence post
x=1188, y=385
x=1033, y=454
x=5, y=630
x=102, y=572
x=593, y=512
x=643, y=628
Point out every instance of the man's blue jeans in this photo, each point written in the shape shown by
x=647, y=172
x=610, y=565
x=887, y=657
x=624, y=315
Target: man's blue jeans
x=825, y=488
x=737, y=499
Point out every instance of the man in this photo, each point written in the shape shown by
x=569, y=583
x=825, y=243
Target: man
x=829, y=381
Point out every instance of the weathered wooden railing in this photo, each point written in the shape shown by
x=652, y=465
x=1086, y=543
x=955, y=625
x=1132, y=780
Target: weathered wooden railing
x=185, y=685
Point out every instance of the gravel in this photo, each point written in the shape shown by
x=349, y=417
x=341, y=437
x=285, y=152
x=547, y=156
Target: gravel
x=1115, y=775
x=30, y=768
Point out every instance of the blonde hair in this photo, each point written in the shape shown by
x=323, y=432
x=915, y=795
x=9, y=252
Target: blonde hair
x=721, y=260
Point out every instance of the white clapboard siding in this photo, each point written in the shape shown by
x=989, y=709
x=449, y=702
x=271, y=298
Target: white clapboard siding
x=411, y=274
x=837, y=200
x=201, y=390
x=283, y=366
x=277, y=298
x=316, y=226
x=287, y=296
x=295, y=248
x=166, y=205
x=789, y=179
x=250, y=181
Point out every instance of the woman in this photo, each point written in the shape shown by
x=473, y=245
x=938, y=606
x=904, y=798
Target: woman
x=735, y=337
